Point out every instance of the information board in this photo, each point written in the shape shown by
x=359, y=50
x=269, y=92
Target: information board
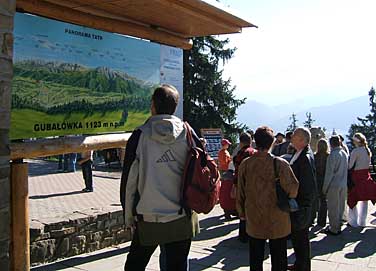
x=71, y=80
x=213, y=141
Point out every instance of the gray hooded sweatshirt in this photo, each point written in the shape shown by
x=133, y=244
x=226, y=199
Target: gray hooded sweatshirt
x=157, y=170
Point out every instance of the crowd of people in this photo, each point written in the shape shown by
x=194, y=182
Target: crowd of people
x=274, y=184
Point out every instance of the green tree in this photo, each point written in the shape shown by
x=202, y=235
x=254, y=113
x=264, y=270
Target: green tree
x=209, y=100
x=367, y=124
x=294, y=123
x=308, y=123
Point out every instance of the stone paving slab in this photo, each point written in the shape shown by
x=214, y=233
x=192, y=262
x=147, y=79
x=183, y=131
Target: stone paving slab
x=53, y=197
x=57, y=196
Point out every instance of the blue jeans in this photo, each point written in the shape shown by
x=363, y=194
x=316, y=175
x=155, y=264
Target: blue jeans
x=73, y=160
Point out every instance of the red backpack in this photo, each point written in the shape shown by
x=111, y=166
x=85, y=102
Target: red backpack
x=200, y=189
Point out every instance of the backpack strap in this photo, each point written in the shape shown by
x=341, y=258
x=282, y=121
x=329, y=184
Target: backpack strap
x=189, y=134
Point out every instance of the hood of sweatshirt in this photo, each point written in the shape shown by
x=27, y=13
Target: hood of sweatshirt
x=166, y=129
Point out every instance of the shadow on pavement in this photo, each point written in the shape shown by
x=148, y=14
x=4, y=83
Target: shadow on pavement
x=56, y=195
x=230, y=254
x=79, y=260
x=214, y=227
x=331, y=244
x=105, y=177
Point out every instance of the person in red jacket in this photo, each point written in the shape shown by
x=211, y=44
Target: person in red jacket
x=224, y=157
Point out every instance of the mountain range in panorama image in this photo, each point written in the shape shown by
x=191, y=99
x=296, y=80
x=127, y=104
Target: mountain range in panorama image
x=337, y=116
x=65, y=93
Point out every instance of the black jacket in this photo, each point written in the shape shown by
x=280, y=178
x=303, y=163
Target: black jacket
x=305, y=171
x=130, y=156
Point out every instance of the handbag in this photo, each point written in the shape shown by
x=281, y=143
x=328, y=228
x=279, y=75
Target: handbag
x=350, y=181
x=283, y=201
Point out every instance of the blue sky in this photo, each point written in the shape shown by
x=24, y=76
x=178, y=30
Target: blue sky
x=316, y=52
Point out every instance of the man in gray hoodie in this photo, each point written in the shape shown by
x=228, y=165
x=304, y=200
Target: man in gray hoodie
x=151, y=187
x=335, y=185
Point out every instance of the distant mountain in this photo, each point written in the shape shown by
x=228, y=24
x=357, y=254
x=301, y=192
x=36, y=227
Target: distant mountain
x=338, y=116
x=100, y=79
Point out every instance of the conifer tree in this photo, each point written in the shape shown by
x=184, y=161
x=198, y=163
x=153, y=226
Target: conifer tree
x=294, y=123
x=367, y=124
x=308, y=123
x=209, y=100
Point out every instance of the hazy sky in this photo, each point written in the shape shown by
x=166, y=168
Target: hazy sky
x=324, y=50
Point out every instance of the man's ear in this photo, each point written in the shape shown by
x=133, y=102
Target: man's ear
x=152, y=108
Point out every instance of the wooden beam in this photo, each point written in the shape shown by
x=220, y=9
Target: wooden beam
x=62, y=145
x=231, y=28
x=223, y=15
x=69, y=15
x=118, y=16
x=20, y=217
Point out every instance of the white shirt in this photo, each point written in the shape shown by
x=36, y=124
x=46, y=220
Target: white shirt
x=360, y=158
x=295, y=157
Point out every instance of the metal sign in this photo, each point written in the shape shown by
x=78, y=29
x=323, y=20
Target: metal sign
x=71, y=80
x=213, y=141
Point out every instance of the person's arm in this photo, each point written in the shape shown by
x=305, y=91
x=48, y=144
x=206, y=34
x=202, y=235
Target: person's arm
x=307, y=182
x=329, y=173
x=288, y=180
x=228, y=158
x=240, y=197
x=130, y=156
x=130, y=194
x=353, y=157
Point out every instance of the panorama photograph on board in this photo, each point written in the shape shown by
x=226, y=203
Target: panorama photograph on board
x=71, y=80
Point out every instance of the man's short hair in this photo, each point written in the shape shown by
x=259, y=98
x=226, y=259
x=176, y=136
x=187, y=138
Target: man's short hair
x=245, y=138
x=165, y=99
x=264, y=137
x=305, y=133
x=288, y=135
x=335, y=141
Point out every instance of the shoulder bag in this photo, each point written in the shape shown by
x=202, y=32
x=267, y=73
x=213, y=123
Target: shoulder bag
x=283, y=201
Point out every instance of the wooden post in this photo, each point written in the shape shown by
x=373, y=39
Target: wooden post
x=20, y=217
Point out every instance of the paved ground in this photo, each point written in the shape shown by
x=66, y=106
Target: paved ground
x=216, y=248
x=56, y=195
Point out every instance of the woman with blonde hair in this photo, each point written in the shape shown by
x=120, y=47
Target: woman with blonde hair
x=321, y=156
x=364, y=188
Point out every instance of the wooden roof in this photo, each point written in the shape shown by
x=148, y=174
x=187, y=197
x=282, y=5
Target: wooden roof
x=171, y=22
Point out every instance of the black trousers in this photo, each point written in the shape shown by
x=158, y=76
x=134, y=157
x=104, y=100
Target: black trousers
x=243, y=236
x=176, y=255
x=302, y=249
x=323, y=211
x=87, y=173
x=278, y=252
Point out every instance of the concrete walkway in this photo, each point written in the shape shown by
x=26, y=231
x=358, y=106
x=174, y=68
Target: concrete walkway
x=216, y=248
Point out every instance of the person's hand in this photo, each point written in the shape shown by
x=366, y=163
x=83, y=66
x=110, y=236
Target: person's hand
x=131, y=228
x=130, y=224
